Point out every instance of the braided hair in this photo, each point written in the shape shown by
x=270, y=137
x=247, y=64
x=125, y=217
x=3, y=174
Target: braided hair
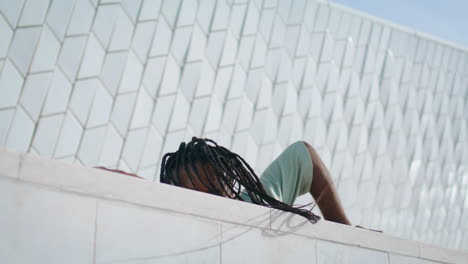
x=232, y=172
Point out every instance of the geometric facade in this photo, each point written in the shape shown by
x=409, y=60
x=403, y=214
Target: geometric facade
x=119, y=83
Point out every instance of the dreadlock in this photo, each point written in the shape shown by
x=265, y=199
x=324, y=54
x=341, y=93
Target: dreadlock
x=233, y=173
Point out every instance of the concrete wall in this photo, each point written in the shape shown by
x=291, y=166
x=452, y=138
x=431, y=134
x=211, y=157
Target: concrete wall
x=118, y=83
x=55, y=212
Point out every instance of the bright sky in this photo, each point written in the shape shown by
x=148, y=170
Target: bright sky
x=445, y=19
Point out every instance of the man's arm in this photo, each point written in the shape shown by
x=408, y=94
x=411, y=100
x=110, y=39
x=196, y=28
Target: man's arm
x=324, y=192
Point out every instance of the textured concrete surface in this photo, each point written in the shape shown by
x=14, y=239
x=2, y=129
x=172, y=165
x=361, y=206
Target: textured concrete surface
x=58, y=212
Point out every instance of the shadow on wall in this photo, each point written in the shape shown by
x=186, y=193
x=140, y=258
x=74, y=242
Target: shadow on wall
x=232, y=232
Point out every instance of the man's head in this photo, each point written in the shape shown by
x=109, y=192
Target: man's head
x=203, y=165
x=201, y=176
x=199, y=165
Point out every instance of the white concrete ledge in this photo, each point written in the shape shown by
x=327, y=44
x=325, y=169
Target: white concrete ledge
x=51, y=209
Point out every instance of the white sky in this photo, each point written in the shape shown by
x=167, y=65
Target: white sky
x=445, y=19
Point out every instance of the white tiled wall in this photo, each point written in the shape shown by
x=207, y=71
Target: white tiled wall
x=118, y=83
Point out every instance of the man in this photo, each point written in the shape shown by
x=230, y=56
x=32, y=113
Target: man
x=203, y=165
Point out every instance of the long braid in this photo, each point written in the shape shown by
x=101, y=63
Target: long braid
x=232, y=172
